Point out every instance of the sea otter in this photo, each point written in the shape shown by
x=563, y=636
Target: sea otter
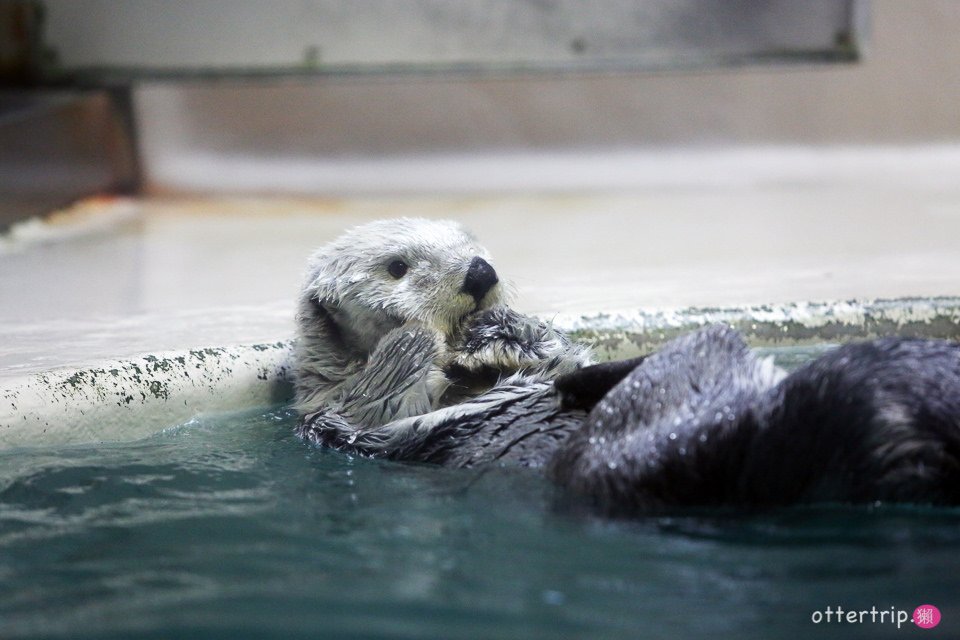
x=702, y=422
x=399, y=318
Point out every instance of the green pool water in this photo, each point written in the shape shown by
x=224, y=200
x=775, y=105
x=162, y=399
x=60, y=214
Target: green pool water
x=229, y=527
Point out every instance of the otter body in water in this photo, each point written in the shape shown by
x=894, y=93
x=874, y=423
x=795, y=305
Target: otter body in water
x=435, y=369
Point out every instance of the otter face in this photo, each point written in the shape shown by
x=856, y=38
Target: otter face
x=381, y=275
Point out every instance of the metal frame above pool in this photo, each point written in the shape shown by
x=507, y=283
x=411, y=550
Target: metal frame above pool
x=132, y=398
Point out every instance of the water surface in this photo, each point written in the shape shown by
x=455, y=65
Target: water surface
x=227, y=526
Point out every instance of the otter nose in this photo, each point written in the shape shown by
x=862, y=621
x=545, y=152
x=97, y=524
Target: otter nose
x=480, y=278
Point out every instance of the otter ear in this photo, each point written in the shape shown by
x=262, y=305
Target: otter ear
x=320, y=283
x=323, y=288
x=329, y=279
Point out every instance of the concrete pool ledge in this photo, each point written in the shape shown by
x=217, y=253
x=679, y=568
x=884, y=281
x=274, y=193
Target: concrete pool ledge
x=135, y=397
x=128, y=399
x=627, y=334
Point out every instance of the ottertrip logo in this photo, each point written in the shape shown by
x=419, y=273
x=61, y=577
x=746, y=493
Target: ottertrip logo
x=926, y=616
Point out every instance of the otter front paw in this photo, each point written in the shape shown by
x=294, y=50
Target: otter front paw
x=506, y=341
x=398, y=381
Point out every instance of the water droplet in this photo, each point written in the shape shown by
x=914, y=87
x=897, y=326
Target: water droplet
x=683, y=451
x=673, y=436
x=703, y=437
x=718, y=416
x=611, y=465
x=592, y=440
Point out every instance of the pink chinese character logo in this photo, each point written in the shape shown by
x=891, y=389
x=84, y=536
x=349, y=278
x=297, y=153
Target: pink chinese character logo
x=926, y=616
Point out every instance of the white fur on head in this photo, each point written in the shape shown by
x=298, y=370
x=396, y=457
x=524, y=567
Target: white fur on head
x=350, y=299
x=353, y=271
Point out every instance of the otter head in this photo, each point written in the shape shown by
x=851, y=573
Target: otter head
x=379, y=276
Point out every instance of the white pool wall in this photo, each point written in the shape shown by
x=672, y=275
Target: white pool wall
x=131, y=398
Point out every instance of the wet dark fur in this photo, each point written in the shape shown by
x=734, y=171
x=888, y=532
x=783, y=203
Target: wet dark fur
x=515, y=424
x=870, y=421
x=703, y=422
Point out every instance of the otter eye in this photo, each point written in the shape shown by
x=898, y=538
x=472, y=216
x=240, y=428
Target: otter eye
x=397, y=269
